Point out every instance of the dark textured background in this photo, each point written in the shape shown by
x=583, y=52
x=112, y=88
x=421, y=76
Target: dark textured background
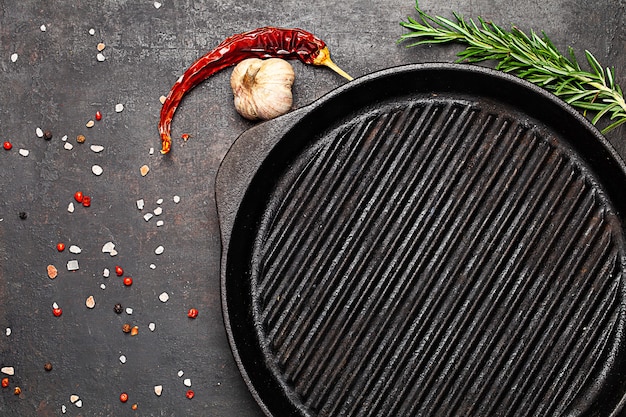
x=57, y=84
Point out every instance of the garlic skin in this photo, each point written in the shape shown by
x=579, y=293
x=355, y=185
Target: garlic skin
x=262, y=87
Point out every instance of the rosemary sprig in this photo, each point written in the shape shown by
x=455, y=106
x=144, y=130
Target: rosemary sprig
x=532, y=57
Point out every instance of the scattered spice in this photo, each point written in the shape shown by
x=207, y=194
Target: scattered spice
x=185, y=136
x=17, y=391
x=144, y=170
x=52, y=272
x=7, y=145
x=47, y=366
x=8, y=370
x=47, y=135
x=60, y=246
x=158, y=390
x=123, y=397
x=98, y=115
x=78, y=196
x=56, y=310
x=90, y=302
x=5, y=382
x=118, y=308
x=134, y=406
x=22, y=215
x=189, y=394
x=74, y=398
x=126, y=328
x=86, y=201
x=192, y=313
x=128, y=281
x=134, y=331
x=119, y=271
x=80, y=138
x=101, y=47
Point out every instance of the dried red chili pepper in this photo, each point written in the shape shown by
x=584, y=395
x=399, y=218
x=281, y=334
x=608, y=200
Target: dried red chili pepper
x=265, y=42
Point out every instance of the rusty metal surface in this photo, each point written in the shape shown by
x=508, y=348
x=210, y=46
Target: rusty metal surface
x=57, y=84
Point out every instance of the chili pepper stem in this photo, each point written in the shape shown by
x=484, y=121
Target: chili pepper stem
x=324, y=59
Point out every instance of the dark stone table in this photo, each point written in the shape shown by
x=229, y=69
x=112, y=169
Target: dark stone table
x=57, y=83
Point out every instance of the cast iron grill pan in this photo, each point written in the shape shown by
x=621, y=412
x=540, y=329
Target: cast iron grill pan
x=430, y=240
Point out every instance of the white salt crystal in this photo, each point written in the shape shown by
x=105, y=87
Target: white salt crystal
x=13, y=57
x=151, y=326
x=164, y=297
x=72, y=265
x=147, y=216
x=42, y=28
x=39, y=132
x=158, y=211
x=102, y=286
x=108, y=248
x=160, y=201
x=24, y=152
x=68, y=146
x=8, y=370
x=92, y=31
x=152, y=266
x=75, y=249
x=157, y=5
x=79, y=403
x=129, y=311
x=158, y=390
x=122, y=359
x=70, y=207
x=187, y=382
x=106, y=273
x=8, y=331
x=151, y=152
x=160, y=223
x=63, y=409
x=119, y=107
x=97, y=170
x=64, y=138
x=140, y=204
x=97, y=148
x=159, y=250
x=180, y=373
x=100, y=57
x=176, y=199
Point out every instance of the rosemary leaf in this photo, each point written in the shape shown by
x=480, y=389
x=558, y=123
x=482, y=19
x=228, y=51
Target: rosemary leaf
x=530, y=56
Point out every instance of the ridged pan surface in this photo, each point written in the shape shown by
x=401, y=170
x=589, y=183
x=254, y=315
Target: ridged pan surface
x=431, y=240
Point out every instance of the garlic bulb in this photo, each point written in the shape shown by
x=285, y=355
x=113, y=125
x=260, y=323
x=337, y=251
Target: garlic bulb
x=262, y=88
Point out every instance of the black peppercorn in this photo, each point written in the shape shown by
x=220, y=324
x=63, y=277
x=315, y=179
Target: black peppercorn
x=23, y=215
x=118, y=308
x=47, y=135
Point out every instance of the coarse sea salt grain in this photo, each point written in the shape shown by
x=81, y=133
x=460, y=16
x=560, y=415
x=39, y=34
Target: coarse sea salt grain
x=159, y=250
x=75, y=249
x=158, y=211
x=107, y=248
x=8, y=370
x=151, y=151
x=157, y=5
x=147, y=216
x=140, y=204
x=106, y=273
x=8, y=331
x=152, y=266
x=63, y=409
x=159, y=201
x=100, y=57
x=14, y=58
x=160, y=223
x=176, y=199
x=64, y=138
x=70, y=207
x=97, y=170
x=122, y=359
x=180, y=373
x=129, y=311
x=164, y=297
x=68, y=146
x=119, y=107
x=42, y=28
x=24, y=152
x=151, y=326
x=39, y=132
x=96, y=148
x=103, y=287
x=158, y=390
x=72, y=265
x=92, y=31
x=187, y=382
